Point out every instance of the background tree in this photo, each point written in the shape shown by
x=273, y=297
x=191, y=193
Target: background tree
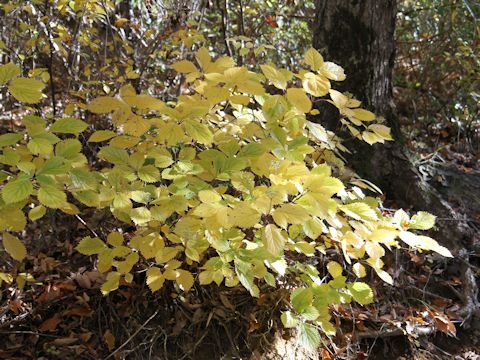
x=361, y=35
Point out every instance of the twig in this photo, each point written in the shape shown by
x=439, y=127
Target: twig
x=224, y=24
x=133, y=335
x=28, y=333
x=370, y=334
x=86, y=225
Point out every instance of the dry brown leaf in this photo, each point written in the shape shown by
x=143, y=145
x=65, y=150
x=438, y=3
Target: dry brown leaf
x=443, y=323
x=65, y=341
x=109, y=340
x=326, y=355
x=79, y=311
x=50, y=324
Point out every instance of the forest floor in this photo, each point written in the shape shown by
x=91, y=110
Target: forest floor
x=60, y=313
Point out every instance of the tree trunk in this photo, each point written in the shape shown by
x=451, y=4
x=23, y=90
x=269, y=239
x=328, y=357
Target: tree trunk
x=359, y=36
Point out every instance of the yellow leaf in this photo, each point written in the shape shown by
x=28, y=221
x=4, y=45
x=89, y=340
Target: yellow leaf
x=37, y=212
x=105, y=104
x=120, y=22
x=359, y=270
x=371, y=137
x=101, y=135
x=359, y=211
x=244, y=216
x=381, y=130
x=40, y=146
x=115, y=238
x=276, y=77
x=332, y=71
x=184, y=279
x=199, y=132
x=273, y=239
x=26, y=90
x=14, y=247
x=155, y=279
x=51, y=197
x=363, y=115
x=335, y=269
x=209, y=196
x=313, y=59
x=8, y=72
x=149, y=174
x=112, y=282
x=90, y=246
x=290, y=214
x=184, y=66
x=203, y=58
x=299, y=99
x=338, y=99
x=17, y=190
x=315, y=85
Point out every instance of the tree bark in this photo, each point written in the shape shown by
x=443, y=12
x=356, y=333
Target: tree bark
x=359, y=36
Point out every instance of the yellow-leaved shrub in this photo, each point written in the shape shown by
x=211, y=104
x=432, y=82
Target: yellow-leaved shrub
x=230, y=176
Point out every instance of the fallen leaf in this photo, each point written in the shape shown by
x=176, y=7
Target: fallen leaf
x=109, y=340
x=65, y=341
x=443, y=323
x=326, y=355
x=50, y=324
x=79, y=311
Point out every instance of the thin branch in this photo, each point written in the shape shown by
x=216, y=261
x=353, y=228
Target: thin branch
x=133, y=335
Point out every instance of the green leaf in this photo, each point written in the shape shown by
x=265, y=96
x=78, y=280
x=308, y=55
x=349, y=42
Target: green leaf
x=17, y=190
x=361, y=292
x=149, y=174
x=26, y=90
x=140, y=215
x=253, y=149
x=68, y=126
x=52, y=166
x=40, y=146
x=37, y=212
x=101, y=135
x=82, y=179
x=274, y=108
x=422, y=220
x=8, y=72
x=308, y=337
x=14, y=247
x=52, y=197
x=301, y=298
x=10, y=139
x=199, y=132
x=68, y=148
x=310, y=313
x=289, y=320
x=90, y=246
x=113, y=155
